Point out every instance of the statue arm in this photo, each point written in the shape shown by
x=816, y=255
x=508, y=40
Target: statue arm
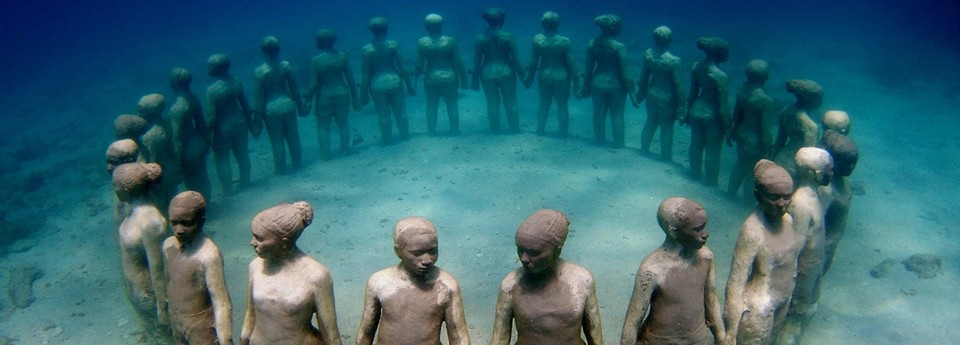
x=210, y=115
x=250, y=318
x=591, y=320
x=477, y=64
x=625, y=77
x=455, y=318
x=515, y=60
x=503, y=318
x=254, y=120
x=744, y=255
x=370, y=316
x=313, y=85
x=588, y=72
x=404, y=74
x=365, y=66
x=458, y=64
x=351, y=83
x=418, y=67
x=678, y=89
x=220, y=298
x=259, y=96
x=643, y=83
x=571, y=65
x=643, y=288
x=694, y=92
x=533, y=66
x=177, y=115
x=294, y=90
x=714, y=314
x=325, y=310
x=768, y=124
x=153, y=245
x=723, y=105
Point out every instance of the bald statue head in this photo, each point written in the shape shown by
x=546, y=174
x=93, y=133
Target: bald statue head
x=187, y=213
x=415, y=243
x=128, y=126
x=814, y=163
x=378, y=25
x=326, y=38
x=773, y=188
x=550, y=21
x=150, y=107
x=758, y=71
x=662, y=36
x=494, y=16
x=218, y=65
x=609, y=24
x=549, y=226
x=837, y=120
x=121, y=152
x=433, y=22
x=270, y=46
x=411, y=227
x=844, y=151
x=684, y=221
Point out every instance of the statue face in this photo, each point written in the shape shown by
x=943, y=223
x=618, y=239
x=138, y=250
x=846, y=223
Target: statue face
x=774, y=200
x=694, y=235
x=418, y=253
x=536, y=255
x=267, y=244
x=185, y=224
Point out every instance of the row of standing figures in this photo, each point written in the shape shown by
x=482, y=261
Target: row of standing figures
x=180, y=146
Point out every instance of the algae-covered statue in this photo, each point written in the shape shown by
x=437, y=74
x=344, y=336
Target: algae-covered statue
x=190, y=132
x=674, y=297
x=797, y=129
x=606, y=80
x=333, y=90
x=409, y=302
x=808, y=208
x=158, y=145
x=552, y=301
x=276, y=100
x=199, y=305
x=836, y=120
x=752, y=126
x=553, y=64
x=764, y=264
x=230, y=118
x=438, y=59
x=660, y=86
x=707, y=111
x=383, y=77
x=845, y=155
x=288, y=291
x=119, y=153
x=496, y=66
x=141, y=235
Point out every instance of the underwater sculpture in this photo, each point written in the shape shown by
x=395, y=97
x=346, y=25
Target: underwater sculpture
x=797, y=129
x=814, y=169
x=333, y=90
x=198, y=302
x=409, y=302
x=158, y=146
x=606, y=80
x=674, y=297
x=552, y=61
x=707, y=111
x=660, y=86
x=140, y=236
x=276, y=100
x=752, y=126
x=132, y=127
x=118, y=153
x=438, y=58
x=230, y=117
x=496, y=66
x=551, y=300
x=839, y=194
x=383, y=77
x=764, y=262
x=287, y=288
x=836, y=120
x=190, y=133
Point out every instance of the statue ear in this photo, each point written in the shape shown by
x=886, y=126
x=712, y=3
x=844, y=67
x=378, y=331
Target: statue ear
x=285, y=243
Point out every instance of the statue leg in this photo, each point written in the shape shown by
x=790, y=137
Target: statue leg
x=649, y=128
x=509, y=90
x=241, y=151
x=221, y=158
x=667, y=117
x=453, y=109
x=713, y=141
x=291, y=131
x=562, y=97
x=433, y=105
x=617, y=125
x=382, y=106
x=275, y=132
x=696, y=149
x=491, y=91
x=546, y=97
x=323, y=131
x=342, y=115
x=399, y=105
x=599, y=117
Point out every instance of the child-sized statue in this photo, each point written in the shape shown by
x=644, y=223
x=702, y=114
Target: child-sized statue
x=552, y=57
x=287, y=288
x=438, y=57
x=764, y=264
x=797, y=129
x=707, y=111
x=230, y=117
x=121, y=152
x=333, y=90
x=409, y=302
x=128, y=126
x=661, y=87
x=753, y=124
x=158, y=146
x=552, y=301
x=141, y=236
x=814, y=169
x=606, y=80
x=383, y=77
x=276, y=100
x=200, y=309
x=845, y=155
x=190, y=133
x=496, y=65
x=674, y=298
x=836, y=120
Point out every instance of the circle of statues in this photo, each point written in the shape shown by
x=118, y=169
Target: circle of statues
x=174, y=274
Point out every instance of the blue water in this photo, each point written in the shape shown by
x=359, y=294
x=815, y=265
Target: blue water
x=70, y=69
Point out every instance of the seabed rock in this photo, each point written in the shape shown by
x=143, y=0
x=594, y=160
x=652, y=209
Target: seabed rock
x=926, y=266
x=19, y=283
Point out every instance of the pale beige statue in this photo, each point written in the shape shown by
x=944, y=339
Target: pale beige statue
x=408, y=303
x=550, y=300
x=674, y=297
x=764, y=265
x=199, y=304
x=288, y=291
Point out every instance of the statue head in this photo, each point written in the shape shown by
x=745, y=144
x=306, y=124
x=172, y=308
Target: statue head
x=150, y=107
x=325, y=38
x=684, y=221
x=218, y=65
x=716, y=48
x=121, y=152
x=132, y=180
x=814, y=164
x=128, y=126
x=378, y=25
x=808, y=93
x=270, y=46
x=415, y=243
x=758, y=71
x=773, y=188
x=844, y=152
x=276, y=229
x=494, y=16
x=609, y=24
x=550, y=20
x=187, y=213
x=662, y=36
x=837, y=120
x=433, y=22
x=180, y=79
x=540, y=239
